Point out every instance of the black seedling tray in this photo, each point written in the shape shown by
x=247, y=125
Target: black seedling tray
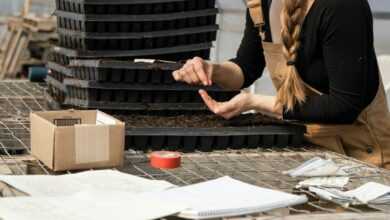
x=59, y=72
x=206, y=132
x=176, y=87
x=208, y=139
x=112, y=71
x=59, y=58
x=50, y=80
x=141, y=41
x=52, y=102
x=57, y=95
x=132, y=7
x=56, y=90
x=139, y=35
x=127, y=107
x=114, y=23
x=172, y=53
x=114, y=96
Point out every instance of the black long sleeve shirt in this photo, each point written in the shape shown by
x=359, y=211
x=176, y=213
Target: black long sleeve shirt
x=336, y=57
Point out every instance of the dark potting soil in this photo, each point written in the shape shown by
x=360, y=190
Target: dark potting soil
x=196, y=121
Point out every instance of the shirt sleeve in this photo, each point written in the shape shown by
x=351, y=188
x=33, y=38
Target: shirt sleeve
x=250, y=57
x=347, y=46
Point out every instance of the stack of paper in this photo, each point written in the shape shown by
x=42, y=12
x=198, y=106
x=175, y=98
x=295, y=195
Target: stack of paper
x=226, y=197
x=113, y=195
x=104, y=194
x=96, y=205
x=322, y=173
x=369, y=193
x=64, y=185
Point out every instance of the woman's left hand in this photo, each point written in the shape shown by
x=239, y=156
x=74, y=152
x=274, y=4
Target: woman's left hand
x=243, y=102
x=237, y=105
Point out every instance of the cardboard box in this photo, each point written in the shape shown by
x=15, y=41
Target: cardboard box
x=76, y=140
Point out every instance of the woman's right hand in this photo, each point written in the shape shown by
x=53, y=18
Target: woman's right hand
x=195, y=71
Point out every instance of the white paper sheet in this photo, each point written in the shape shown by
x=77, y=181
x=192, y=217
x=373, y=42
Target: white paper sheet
x=371, y=192
x=316, y=167
x=103, y=119
x=225, y=197
x=96, y=205
x=331, y=194
x=103, y=180
x=331, y=182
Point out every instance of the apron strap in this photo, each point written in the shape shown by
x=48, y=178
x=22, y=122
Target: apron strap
x=257, y=15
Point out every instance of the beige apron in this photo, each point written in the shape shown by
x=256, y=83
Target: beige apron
x=368, y=139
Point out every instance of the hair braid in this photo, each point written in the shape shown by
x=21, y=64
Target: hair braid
x=292, y=89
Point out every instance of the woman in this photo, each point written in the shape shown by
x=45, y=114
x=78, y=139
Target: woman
x=322, y=62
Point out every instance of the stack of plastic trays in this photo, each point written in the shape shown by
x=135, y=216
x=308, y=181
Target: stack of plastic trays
x=59, y=71
x=173, y=30
x=168, y=29
x=133, y=86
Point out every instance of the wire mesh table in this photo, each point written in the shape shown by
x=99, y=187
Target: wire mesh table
x=262, y=166
x=17, y=99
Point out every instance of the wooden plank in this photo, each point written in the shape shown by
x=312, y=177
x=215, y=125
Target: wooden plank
x=336, y=216
x=15, y=22
x=26, y=8
x=7, y=42
x=6, y=38
x=22, y=45
x=37, y=24
x=9, y=53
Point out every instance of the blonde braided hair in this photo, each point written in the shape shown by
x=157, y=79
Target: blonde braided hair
x=292, y=88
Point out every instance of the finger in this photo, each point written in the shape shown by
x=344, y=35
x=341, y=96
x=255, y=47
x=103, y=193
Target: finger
x=210, y=102
x=209, y=73
x=184, y=73
x=226, y=108
x=219, y=108
x=230, y=115
x=192, y=74
x=184, y=76
x=229, y=109
x=234, y=107
x=176, y=75
x=206, y=68
x=199, y=68
x=210, y=79
x=188, y=61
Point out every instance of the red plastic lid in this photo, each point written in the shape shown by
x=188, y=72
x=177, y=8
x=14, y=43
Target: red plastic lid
x=165, y=159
